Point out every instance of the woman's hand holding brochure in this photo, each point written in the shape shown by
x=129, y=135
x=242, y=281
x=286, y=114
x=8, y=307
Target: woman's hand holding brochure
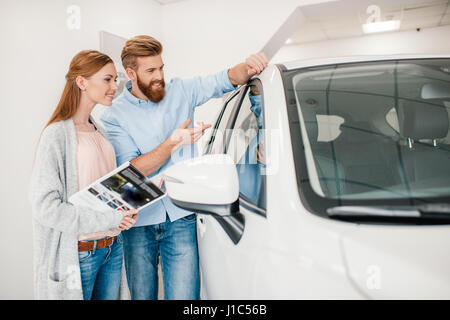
x=129, y=218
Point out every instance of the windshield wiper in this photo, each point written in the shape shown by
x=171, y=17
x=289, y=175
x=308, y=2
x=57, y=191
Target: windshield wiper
x=438, y=213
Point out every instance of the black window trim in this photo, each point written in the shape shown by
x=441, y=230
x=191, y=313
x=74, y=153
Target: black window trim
x=219, y=119
x=233, y=116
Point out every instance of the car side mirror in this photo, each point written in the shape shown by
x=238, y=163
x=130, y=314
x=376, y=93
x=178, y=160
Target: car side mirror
x=210, y=185
x=207, y=184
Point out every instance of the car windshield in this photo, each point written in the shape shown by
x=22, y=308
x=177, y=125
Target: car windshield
x=372, y=130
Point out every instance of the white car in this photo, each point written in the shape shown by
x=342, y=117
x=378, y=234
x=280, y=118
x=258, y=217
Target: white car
x=337, y=188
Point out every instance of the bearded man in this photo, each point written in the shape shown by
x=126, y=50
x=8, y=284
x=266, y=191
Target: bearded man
x=146, y=124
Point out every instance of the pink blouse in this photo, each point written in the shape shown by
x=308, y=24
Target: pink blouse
x=95, y=158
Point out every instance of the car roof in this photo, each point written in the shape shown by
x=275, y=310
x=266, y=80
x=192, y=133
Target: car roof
x=349, y=59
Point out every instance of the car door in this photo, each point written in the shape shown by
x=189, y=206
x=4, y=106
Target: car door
x=228, y=268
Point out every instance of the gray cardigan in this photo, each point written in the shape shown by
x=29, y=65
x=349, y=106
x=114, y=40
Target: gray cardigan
x=56, y=222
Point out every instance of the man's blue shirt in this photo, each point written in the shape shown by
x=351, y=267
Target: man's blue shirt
x=136, y=127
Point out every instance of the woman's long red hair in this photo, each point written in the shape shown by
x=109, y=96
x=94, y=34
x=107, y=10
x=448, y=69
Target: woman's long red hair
x=85, y=63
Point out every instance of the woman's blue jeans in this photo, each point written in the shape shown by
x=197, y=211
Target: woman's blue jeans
x=176, y=243
x=101, y=271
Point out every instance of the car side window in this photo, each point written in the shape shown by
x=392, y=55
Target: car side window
x=246, y=148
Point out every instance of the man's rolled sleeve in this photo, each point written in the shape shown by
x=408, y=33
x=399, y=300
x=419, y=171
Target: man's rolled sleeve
x=124, y=146
x=200, y=89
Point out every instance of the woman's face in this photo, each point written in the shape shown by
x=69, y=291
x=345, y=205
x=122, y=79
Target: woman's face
x=101, y=87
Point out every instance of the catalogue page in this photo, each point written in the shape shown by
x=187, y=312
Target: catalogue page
x=122, y=189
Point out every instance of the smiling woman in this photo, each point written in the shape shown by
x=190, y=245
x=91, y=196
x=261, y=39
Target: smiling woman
x=83, y=75
x=75, y=243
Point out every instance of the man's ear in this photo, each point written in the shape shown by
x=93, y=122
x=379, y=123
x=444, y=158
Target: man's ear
x=81, y=82
x=131, y=74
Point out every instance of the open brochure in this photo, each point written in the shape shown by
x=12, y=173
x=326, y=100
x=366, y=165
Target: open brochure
x=122, y=189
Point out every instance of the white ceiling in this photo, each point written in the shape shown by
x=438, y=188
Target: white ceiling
x=343, y=19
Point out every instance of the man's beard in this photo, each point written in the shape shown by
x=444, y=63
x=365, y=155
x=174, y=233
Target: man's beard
x=153, y=95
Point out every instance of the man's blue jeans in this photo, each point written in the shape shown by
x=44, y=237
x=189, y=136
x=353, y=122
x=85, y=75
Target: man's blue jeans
x=176, y=243
x=101, y=271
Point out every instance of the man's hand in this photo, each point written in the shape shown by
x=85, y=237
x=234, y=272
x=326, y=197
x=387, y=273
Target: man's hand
x=185, y=136
x=260, y=155
x=151, y=161
x=256, y=63
x=241, y=73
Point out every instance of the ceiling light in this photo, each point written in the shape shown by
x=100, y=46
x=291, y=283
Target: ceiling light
x=288, y=41
x=381, y=26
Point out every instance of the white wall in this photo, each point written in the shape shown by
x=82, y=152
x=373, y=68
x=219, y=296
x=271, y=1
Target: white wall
x=427, y=41
x=36, y=49
x=205, y=36
x=215, y=34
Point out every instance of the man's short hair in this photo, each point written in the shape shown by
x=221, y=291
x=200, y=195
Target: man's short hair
x=139, y=46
